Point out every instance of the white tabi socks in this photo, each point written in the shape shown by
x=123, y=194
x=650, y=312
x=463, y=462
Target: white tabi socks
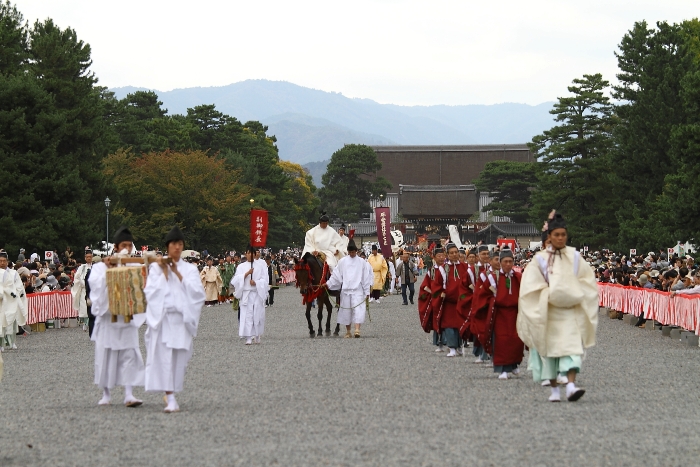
x=249, y=341
x=452, y=352
x=573, y=393
x=555, y=397
x=439, y=349
x=106, y=398
x=129, y=399
x=172, y=404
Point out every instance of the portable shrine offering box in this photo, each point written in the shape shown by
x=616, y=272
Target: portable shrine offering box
x=125, y=290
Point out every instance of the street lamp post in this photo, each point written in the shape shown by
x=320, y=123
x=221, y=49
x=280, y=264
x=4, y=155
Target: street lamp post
x=107, y=201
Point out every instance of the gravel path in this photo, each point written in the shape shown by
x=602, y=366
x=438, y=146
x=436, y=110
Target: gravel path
x=386, y=399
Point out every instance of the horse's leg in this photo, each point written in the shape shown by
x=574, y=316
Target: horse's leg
x=329, y=305
x=321, y=302
x=308, y=320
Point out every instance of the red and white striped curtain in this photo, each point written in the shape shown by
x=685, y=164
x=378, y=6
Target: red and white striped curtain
x=680, y=310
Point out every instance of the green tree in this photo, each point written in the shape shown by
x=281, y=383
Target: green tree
x=656, y=146
x=573, y=160
x=51, y=121
x=510, y=184
x=14, y=40
x=198, y=192
x=350, y=182
x=303, y=201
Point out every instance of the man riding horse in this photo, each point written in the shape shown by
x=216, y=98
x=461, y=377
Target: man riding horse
x=323, y=247
x=323, y=241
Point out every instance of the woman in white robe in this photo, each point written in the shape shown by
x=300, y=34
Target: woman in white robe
x=118, y=360
x=175, y=297
x=251, y=283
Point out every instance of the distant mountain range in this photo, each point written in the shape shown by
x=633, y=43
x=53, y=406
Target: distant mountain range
x=310, y=124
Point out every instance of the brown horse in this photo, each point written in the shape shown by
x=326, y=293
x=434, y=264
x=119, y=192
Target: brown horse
x=312, y=274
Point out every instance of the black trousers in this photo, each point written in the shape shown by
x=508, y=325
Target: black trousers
x=411, y=289
x=91, y=320
x=376, y=294
x=271, y=296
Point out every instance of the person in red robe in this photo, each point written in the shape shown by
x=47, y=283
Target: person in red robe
x=482, y=300
x=505, y=345
x=437, y=288
x=451, y=318
x=425, y=298
x=465, y=302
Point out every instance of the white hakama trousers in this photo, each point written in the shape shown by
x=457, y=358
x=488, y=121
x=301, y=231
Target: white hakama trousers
x=352, y=307
x=118, y=360
x=252, y=315
x=169, y=351
x=118, y=367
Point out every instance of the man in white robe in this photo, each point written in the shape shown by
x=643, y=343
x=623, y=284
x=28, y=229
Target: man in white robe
x=13, y=304
x=78, y=290
x=558, y=311
x=118, y=360
x=353, y=277
x=175, y=298
x=251, y=283
x=323, y=239
x=344, y=239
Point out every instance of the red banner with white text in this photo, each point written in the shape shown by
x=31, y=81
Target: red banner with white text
x=383, y=230
x=258, y=227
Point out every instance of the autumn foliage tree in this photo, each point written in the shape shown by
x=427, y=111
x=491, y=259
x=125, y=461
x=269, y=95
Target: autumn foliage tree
x=156, y=190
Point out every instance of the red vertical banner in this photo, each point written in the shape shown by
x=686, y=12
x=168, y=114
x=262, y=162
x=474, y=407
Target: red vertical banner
x=383, y=230
x=258, y=227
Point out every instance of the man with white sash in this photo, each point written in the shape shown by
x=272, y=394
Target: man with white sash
x=251, y=283
x=355, y=276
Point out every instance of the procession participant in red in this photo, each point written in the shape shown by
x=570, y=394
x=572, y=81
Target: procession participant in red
x=464, y=304
x=437, y=288
x=484, y=293
x=425, y=297
x=455, y=285
x=507, y=348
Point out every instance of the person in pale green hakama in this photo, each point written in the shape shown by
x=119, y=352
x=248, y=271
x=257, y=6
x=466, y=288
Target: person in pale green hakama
x=558, y=311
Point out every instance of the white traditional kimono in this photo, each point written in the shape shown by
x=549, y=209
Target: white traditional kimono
x=173, y=312
x=326, y=241
x=353, y=277
x=78, y=290
x=13, y=310
x=343, y=245
x=558, y=308
x=251, y=297
x=392, y=274
x=118, y=360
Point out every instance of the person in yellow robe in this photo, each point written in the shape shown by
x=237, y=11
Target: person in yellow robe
x=211, y=281
x=558, y=311
x=380, y=269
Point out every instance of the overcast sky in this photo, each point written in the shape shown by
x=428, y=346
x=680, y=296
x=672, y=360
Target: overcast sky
x=392, y=51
